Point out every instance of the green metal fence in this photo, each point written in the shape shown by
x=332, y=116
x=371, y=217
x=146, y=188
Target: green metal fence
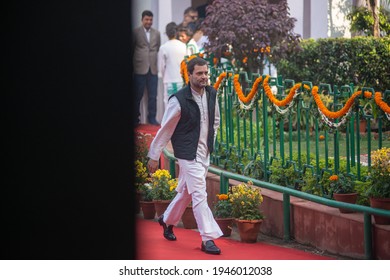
x=298, y=135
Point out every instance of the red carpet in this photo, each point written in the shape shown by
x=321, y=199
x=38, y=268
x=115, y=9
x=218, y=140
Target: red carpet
x=147, y=128
x=153, y=246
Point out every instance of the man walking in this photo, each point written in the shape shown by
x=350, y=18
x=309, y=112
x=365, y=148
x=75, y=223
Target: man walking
x=190, y=122
x=146, y=42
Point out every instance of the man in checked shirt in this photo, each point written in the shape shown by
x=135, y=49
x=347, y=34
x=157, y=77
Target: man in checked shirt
x=190, y=122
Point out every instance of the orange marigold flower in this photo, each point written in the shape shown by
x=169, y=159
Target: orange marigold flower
x=245, y=60
x=322, y=137
x=367, y=94
x=222, y=196
x=333, y=178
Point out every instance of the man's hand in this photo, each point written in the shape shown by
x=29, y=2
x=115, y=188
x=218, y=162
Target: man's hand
x=152, y=165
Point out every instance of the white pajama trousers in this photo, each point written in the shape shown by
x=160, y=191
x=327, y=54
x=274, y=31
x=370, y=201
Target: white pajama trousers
x=192, y=186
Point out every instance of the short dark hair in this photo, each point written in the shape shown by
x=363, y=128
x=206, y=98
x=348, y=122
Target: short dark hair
x=195, y=61
x=187, y=30
x=171, y=29
x=190, y=9
x=147, y=13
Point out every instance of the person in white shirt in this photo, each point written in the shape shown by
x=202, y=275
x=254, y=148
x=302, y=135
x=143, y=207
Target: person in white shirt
x=185, y=35
x=170, y=57
x=191, y=123
x=199, y=36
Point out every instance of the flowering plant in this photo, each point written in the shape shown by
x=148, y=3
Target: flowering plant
x=341, y=184
x=380, y=174
x=223, y=207
x=163, y=186
x=246, y=200
x=141, y=174
x=142, y=143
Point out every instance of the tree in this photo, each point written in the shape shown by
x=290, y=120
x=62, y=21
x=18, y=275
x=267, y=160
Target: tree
x=373, y=7
x=362, y=21
x=252, y=29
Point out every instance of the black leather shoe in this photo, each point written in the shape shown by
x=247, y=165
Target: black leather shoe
x=210, y=248
x=168, y=230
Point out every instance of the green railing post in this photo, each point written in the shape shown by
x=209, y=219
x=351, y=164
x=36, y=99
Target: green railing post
x=265, y=132
x=223, y=183
x=368, y=236
x=172, y=167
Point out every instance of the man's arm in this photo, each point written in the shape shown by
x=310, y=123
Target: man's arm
x=168, y=125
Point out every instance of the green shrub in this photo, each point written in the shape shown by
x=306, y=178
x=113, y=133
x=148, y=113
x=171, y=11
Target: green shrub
x=364, y=61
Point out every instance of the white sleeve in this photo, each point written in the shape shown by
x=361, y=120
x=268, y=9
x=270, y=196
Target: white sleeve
x=161, y=63
x=216, y=119
x=168, y=125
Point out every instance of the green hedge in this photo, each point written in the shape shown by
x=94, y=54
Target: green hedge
x=363, y=61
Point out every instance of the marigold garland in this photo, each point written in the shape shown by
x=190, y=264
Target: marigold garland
x=241, y=96
x=220, y=78
x=245, y=99
x=288, y=98
x=382, y=104
x=342, y=111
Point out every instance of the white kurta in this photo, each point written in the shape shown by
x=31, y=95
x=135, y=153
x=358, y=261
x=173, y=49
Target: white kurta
x=192, y=175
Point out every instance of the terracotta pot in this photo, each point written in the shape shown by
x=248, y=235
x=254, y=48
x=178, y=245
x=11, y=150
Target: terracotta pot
x=161, y=206
x=137, y=202
x=225, y=224
x=148, y=209
x=382, y=203
x=188, y=219
x=345, y=197
x=248, y=230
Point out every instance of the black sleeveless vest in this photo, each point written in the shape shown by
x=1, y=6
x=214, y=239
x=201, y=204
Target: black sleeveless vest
x=186, y=135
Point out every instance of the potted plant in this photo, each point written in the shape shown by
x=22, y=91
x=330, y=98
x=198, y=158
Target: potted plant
x=146, y=202
x=163, y=189
x=141, y=177
x=223, y=214
x=379, y=189
x=246, y=199
x=342, y=188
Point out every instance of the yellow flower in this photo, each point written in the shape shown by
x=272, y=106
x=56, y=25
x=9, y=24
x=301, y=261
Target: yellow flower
x=246, y=199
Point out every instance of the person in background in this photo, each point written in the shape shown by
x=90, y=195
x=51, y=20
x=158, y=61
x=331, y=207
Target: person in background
x=170, y=57
x=146, y=42
x=190, y=15
x=190, y=123
x=185, y=35
x=199, y=37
